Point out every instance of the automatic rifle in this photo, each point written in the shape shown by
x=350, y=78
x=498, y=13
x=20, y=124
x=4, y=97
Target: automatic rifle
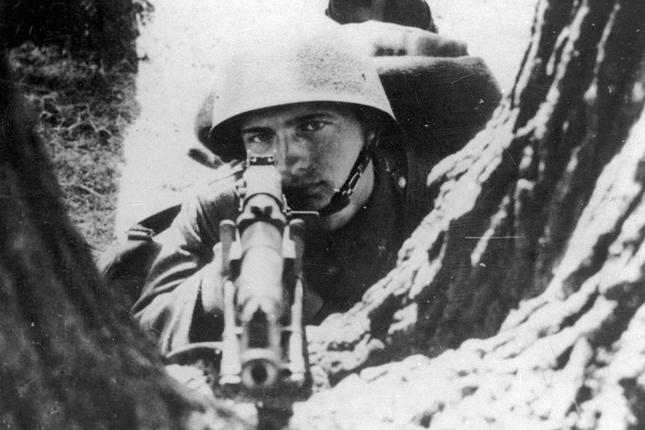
x=263, y=342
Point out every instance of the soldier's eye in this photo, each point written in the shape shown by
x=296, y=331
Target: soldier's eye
x=259, y=138
x=313, y=125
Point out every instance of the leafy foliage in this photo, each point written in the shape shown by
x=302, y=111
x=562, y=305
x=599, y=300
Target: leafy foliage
x=75, y=62
x=83, y=110
x=103, y=30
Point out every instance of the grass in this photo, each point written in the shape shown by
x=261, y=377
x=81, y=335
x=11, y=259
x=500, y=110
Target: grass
x=83, y=111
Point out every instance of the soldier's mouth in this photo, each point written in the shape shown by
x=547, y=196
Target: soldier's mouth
x=310, y=198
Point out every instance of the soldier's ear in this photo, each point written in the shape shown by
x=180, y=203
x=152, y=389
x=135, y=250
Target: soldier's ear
x=371, y=123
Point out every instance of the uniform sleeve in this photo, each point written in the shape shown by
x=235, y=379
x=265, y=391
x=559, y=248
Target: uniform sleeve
x=172, y=306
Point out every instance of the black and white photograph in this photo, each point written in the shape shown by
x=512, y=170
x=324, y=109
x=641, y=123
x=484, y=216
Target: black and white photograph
x=322, y=214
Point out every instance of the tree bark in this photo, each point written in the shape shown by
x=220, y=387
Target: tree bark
x=68, y=358
x=534, y=247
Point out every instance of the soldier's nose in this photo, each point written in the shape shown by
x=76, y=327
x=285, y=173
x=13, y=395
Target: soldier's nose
x=291, y=156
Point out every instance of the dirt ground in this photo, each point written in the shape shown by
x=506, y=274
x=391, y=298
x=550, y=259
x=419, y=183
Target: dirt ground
x=179, y=46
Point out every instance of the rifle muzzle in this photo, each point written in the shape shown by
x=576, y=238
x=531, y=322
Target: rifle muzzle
x=260, y=368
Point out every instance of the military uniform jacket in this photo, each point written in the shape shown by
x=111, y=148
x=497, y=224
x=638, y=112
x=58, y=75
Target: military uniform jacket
x=340, y=265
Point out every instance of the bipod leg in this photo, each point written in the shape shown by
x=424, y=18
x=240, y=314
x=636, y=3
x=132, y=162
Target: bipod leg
x=297, y=359
x=297, y=366
x=231, y=367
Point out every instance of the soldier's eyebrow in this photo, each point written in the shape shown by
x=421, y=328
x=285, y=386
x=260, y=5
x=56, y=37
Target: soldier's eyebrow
x=254, y=130
x=310, y=117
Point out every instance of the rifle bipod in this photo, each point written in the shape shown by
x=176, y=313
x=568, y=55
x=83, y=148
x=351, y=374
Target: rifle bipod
x=262, y=345
x=262, y=354
x=263, y=342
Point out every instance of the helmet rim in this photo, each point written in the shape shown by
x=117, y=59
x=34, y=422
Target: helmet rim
x=322, y=66
x=225, y=140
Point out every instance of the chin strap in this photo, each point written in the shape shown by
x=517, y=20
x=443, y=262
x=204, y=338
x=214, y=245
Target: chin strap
x=341, y=198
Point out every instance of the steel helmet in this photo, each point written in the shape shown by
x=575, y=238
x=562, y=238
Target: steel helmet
x=284, y=66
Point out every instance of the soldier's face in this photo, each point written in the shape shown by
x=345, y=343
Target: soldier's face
x=316, y=145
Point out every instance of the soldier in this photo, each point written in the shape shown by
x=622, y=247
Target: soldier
x=317, y=104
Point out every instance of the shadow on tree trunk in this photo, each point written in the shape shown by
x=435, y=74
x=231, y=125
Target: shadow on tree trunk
x=69, y=360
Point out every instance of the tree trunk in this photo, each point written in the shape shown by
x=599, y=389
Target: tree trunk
x=533, y=247
x=68, y=358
